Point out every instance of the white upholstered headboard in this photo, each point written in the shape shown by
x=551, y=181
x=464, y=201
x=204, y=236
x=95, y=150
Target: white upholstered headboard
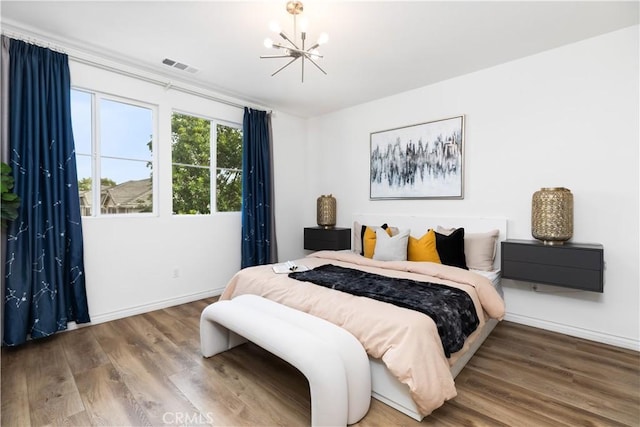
x=420, y=224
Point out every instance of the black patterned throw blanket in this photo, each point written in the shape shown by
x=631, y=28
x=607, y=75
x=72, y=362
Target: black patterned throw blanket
x=451, y=309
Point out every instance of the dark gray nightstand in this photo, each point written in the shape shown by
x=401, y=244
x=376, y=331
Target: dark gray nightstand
x=572, y=265
x=320, y=238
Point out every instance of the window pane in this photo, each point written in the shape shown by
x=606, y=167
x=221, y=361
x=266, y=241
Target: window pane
x=191, y=158
x=126, y=187
x=228, y=147
x=229, y=190
x=123, y=148
x=191, y=190
x=190, y=140
x=83, y=163
x=81, y=104
x=192, y=169
x=81, y=121
x=125, y=130
x=229, y=169
x=83, y=166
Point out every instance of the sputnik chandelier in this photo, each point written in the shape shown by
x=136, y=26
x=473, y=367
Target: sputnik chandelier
x=294, y=50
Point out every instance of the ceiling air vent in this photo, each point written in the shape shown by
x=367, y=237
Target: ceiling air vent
x=180, y=66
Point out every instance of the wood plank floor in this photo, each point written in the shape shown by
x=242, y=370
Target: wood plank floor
x=147, y=370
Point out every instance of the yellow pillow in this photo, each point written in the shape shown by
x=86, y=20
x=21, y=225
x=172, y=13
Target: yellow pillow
x=424, y=248
x=369, y=241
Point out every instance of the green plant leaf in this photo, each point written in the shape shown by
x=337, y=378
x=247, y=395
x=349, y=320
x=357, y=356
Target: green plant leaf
x=10, y=201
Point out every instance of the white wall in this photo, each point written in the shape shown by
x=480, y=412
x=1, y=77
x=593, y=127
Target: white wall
x=290, y=165
x=130, y=262
x=567, y=117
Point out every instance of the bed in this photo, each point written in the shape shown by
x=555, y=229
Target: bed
x=409, y=365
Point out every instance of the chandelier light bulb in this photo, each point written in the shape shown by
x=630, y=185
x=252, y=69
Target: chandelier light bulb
x=324, y=37
x=268, y=43
x=316, y=54
x=275, y=27
x=304, y=24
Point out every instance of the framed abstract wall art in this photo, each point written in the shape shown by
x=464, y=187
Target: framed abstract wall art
x=423, y=161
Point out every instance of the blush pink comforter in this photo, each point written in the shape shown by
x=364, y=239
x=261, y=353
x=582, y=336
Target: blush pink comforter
x=405, y=340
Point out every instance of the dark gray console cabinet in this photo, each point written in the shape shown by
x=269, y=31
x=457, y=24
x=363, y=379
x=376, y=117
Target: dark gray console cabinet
x=572, y=265
x=320, y=238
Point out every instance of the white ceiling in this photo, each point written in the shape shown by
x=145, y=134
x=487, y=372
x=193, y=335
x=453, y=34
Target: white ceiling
x=375, y=49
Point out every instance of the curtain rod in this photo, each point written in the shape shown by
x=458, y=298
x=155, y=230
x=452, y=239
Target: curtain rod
x=34, y=41
x=166, y=84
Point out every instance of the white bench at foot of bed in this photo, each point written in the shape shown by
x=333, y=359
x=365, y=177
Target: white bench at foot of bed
x=333, y=361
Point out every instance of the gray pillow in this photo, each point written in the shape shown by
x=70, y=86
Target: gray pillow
x=391, y=248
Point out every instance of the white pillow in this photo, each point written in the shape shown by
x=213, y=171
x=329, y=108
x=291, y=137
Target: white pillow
x=391, y=248
x=479, y=248
x=357, y=235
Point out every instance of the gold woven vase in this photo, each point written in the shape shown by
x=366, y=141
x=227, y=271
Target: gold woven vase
x=326, y=212
x=552, y=215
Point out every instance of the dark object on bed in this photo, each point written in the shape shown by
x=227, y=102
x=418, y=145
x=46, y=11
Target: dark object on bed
x=451, y=248
x=451, y=309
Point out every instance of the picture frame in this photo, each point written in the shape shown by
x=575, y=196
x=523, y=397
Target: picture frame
x=422, y=161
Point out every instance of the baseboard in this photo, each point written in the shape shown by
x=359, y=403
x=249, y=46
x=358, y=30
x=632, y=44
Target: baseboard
x=145, y=308
x=575, y=332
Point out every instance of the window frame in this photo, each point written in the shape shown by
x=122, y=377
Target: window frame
x=96, y=154
x=213, y=162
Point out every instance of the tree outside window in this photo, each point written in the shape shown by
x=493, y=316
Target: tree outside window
x=194, y=161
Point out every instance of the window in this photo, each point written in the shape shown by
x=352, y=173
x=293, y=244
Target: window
x=200, y=148
x=114, y=147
